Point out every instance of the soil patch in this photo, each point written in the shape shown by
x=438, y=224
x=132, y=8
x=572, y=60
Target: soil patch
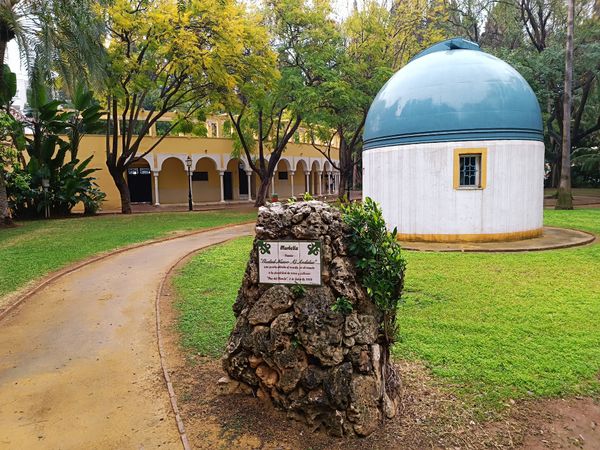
x=429, y=416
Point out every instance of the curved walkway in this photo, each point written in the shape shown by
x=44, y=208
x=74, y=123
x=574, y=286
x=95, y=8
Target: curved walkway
x=553, y=238
x=79, y=363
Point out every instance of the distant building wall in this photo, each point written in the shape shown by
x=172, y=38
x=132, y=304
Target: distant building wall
x=212, y=155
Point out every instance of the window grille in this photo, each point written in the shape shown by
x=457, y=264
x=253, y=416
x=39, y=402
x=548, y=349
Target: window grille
x=470, y=170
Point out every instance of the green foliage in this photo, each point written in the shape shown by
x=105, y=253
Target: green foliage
x=307, y=197
x=586, y=167
x=379, y=261
x=292, y=200
x=227, y=128
x=166, y=57
x=206, y=289
x=374, y=41
x=70, y=182
x=11, y=139
x=531, y=36
x=8, y=87
x=343, y=306
x=298, y=290
x=195, y=126
x=84, y=116
x=277, y=85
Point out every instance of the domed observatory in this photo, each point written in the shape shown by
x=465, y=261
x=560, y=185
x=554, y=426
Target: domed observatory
x=453, y=149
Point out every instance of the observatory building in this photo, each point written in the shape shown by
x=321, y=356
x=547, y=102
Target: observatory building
x=453, y=149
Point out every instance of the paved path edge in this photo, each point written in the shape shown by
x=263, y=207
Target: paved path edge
x=55, y=275
x=161, y=352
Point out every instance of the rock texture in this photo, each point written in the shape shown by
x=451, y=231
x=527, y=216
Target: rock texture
x=289, y=346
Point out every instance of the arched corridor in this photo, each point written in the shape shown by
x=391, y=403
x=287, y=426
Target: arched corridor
x=229, y=179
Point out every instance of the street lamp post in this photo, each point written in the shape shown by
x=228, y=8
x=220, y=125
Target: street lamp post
x=45, y=186
x=188, y=163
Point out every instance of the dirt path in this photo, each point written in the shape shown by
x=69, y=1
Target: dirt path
x=79, y=365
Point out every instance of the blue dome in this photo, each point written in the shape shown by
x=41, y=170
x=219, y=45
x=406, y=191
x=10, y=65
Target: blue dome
x=453, y=92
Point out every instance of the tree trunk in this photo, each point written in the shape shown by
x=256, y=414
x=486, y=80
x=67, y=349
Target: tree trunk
x=119, y=179
x=263, y=190
x=5, y=217
x=565, y=197
x=345, y=169
x=3, y=44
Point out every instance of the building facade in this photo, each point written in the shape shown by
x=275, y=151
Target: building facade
x=216, y=176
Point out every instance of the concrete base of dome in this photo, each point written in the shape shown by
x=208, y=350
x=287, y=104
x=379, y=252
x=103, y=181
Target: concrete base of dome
x=495, y=237
x=418, y=188
x=551, y=239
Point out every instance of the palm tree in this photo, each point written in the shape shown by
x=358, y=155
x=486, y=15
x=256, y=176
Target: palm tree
x=565, y=198
x=64, y=37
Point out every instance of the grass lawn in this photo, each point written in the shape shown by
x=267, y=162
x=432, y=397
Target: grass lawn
x=491, y=327
x=35, y=248
x=206, y=288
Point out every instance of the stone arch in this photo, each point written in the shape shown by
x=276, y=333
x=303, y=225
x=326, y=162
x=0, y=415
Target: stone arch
x=214, y=158
x=301, y=165
x=283, y=178
x=206, y=183
x=286, y=162
x=302, y=175
x=149, y=159
x=173, y=180
x=315, y=165
x=164, y=157
x=235, y=179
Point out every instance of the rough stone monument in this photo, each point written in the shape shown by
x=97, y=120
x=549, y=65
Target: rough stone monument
x=307, y=335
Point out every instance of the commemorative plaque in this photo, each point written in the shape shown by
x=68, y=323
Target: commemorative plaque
x=289, y=262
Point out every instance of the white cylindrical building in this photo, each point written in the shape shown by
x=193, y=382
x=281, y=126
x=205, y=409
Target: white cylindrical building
x=453, y=149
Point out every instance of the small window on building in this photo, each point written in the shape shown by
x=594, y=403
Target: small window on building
x=470, y=166
x=132, y=171
x=282, y=175
x=200, y=176
x=144, y=171
x=470, y=171
x=213, y=129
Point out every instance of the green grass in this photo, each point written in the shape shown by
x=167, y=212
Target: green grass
x=35, y=248
x=491, y=327
x=501, y=326
x=206, y=288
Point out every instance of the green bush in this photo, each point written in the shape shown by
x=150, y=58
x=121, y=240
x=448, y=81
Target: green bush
x=54, y=158
x=379, y=260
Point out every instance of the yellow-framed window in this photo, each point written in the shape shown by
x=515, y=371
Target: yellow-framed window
x=470, y=168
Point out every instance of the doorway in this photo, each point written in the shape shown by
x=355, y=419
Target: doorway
x=243, y=182
x=227, y=186
x=139, y=181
